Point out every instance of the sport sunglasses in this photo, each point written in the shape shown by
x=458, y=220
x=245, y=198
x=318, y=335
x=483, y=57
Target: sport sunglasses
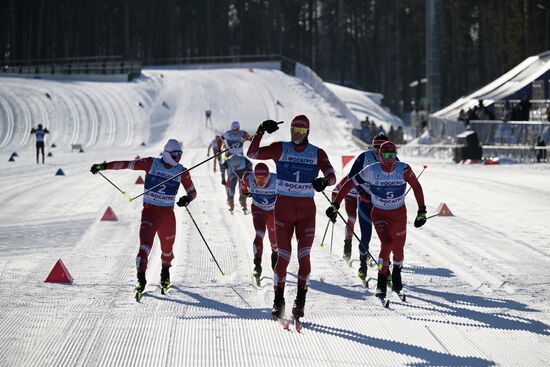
x=389, y=154
x=299, y=130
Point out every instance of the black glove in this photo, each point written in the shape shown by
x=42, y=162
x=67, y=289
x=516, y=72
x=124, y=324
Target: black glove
x=319, y=184
x=420, y=218
x=98, y=167
x=184, y=201
x=268, y=126
x=332, y=212
x=247, y=194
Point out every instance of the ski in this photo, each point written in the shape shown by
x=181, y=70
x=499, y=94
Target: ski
x=384, y=301
x=139, y=293
x=297, y=324
x=401, y=296
x=283, y=322
x=256, y=279
x=164, y=289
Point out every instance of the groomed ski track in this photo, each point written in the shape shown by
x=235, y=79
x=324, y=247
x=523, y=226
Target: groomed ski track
x=476, y=284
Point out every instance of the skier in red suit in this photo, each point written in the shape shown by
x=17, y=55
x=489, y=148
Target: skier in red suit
x=298, y=163
x=157, y=216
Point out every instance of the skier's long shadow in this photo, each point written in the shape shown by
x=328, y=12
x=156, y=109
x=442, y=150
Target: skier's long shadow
x=335, y=290
x=428, y=356
x=422, y=270
x=461, y=305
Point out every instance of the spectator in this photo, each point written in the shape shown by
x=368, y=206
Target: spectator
x=391, y=135
x=399, y=134
x=548, y=113
x=524, y=108
x=541, y=153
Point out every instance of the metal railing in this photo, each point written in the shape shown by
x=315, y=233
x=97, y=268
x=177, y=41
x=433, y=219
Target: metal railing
x=70, y=66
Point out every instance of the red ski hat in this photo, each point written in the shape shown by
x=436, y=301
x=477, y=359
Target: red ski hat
x=388, y=156
x=300, y=121
x=261, y=171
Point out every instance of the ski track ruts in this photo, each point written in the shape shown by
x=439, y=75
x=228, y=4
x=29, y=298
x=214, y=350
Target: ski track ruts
x=79, y=101
x=465, y=267
x=8, y=122
x=73, y=118
x=107, y=105
x=22, y=127
x=122, y=129
x=128, y=116
x=89, y=135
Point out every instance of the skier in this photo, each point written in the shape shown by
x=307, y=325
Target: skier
x=236, y=166
x=387, y=181
x=365, y=206
x=157, y=216
x=351, y=211
x=39, y=134
x=298, y=163
x=235, y=138
x=208, y=117
x=261, y=186
x=216, y=146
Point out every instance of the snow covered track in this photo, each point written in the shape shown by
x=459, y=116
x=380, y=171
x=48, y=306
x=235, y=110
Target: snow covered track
x=477, y=284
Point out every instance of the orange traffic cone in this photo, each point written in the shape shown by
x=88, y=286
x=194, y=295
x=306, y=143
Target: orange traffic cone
x=109, y=215
x=59, y=274
x=444, y=210
x=140, y=181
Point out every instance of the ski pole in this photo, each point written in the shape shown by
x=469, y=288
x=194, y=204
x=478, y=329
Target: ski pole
x=351, y=229
x=181, y=173
x=420, y=174
x=331, y=237
x=326, y=229
x=208, y=247
x=111, y=182
x=435, y=215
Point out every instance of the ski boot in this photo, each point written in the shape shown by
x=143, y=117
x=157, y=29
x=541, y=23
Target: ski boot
x=257, y=270
x=274, y=257
x=231, y=205
x=381, y=289
x=278, y=310
x=164, y=279
x=298, y=308
x=347, y=250
x=140, y=286
x=362, y=272
x=397, y=284
x=242, y=201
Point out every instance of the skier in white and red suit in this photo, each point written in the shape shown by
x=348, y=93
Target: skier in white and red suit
x=387, y=180
x=157, y=216
x=262, y=187
x=298, y=163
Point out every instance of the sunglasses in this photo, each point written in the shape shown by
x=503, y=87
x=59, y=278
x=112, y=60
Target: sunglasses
x=389, y=154
x=299, y=130
x=261, y=181
x=176, y=153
